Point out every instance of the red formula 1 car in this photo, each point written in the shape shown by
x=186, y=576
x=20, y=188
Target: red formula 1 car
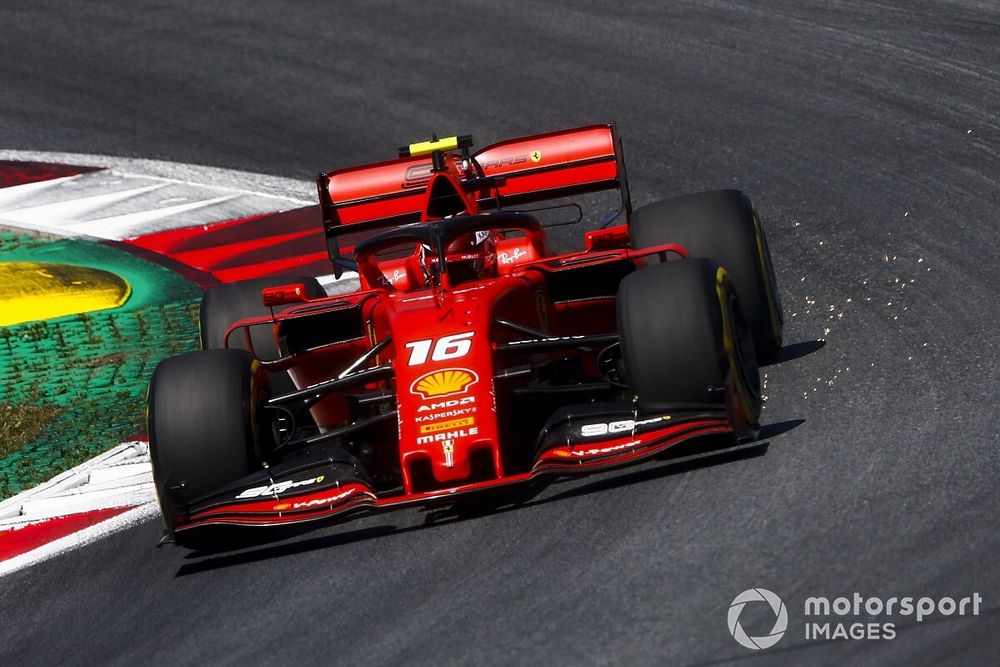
x=471, y=356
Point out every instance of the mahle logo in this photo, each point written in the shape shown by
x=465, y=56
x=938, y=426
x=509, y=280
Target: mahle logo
x=780, y=618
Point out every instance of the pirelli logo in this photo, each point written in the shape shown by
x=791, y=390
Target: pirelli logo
x=447, y=426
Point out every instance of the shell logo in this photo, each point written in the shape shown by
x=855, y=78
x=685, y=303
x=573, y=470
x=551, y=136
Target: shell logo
x=444, y=382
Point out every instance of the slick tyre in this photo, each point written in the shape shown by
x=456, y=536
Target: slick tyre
x=723, y=226
x=223, y=305
x=205, y=425
x=683, y=336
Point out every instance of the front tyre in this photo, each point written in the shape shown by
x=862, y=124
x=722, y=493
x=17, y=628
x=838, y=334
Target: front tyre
x=684, y=337
x=205, y=425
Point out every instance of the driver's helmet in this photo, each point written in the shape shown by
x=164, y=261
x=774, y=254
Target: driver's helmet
x=472, y=256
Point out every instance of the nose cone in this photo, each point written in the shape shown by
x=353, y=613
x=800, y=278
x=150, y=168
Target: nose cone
x=444, y=380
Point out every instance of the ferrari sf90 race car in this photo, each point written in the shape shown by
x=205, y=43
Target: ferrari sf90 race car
x=471, y=356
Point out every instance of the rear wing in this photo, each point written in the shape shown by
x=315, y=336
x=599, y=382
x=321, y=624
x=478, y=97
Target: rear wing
x=518, y=171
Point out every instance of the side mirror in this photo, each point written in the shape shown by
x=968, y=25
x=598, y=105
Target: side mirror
x=604, y=239
x=282, y=295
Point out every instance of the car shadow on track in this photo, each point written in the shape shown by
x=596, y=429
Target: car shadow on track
x=795, y=351
x=684, y=458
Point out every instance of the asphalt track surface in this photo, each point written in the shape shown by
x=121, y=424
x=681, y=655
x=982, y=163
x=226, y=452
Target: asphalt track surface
x=869, y=136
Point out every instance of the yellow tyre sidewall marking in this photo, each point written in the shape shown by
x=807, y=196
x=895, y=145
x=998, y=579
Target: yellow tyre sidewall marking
x=39, y=291
x=729, y=343
x=257, y=395
x=772, y=299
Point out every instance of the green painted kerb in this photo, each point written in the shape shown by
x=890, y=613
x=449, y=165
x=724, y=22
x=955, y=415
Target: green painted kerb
x=93, y=368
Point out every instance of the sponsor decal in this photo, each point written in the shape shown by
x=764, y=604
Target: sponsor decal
x=438, y=416
x=536, y=156
x=553, y=338
x=595, y=451
x=317, y=502
x=444, y=382
x=444, y=426
x=512, y=256
x=277, y=487
x=450, y=403
x=448, y=435
x=612, y=428
x=510, y=160
x=417, y=176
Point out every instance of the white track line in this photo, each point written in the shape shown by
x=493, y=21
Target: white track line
x=132, y=517
x=27, y=190
x=122, y=226
x=129, y=198
x=296, y=192
x=71, y=211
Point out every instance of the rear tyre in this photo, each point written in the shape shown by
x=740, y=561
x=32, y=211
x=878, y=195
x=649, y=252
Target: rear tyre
x=723, y=226
x=204, y=425
x=223, y=305
x=683, y=336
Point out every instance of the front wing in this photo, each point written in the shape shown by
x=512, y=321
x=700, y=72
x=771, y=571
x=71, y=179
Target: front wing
x=321, y=487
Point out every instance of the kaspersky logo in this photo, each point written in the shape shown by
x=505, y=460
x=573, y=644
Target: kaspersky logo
x=780, y=618
x=444, y=382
